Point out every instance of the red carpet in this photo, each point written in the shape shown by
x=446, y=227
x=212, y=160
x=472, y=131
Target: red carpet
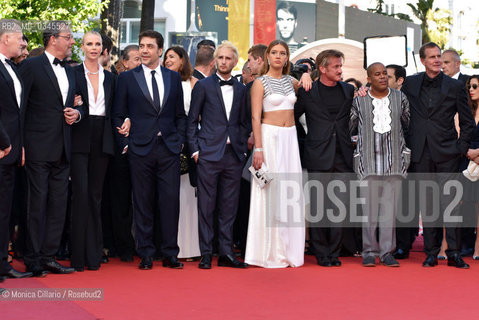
x=348, y=292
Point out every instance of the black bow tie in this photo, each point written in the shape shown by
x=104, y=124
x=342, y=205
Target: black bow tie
x=59, y=62
x=227, y=82
x=10, y=62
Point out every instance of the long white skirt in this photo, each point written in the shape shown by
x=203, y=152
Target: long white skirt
x=188, y=239
x=276, y=228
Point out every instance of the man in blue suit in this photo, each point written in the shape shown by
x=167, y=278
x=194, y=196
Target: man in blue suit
x=219, y=148
x=152, y=98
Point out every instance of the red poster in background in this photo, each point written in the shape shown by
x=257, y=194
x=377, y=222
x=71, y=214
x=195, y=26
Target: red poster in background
x=264, y=21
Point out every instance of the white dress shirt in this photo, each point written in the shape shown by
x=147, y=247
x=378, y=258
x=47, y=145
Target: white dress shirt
x=96, y=107
x=61, y=75
x=16, y=82
x=159, y=81
x=227, y=92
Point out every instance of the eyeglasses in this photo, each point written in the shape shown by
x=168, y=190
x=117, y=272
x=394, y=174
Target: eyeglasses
x=67, y=38
x=473, y=86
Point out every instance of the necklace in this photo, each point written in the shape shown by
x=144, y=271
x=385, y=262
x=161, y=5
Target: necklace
x=89, y=72
x=92, y=73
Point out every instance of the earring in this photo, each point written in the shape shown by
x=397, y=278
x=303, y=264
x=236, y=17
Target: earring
x=268, y=62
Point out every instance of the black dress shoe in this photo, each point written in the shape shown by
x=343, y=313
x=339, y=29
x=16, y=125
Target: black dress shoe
x=79, y=269
x=37, y=271
x=14, y=274
x=205, y=262
x=54, y=267
x=146, y=263
x=457, y=261
x=430, y=261
x=335, y=262
x=104, y=259
x=401, y=254
x=324, y=261
x=230, y=261
x=2, y=278
x=172, y=262
x=93, y=268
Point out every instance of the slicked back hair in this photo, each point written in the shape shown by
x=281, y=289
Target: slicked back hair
x=322, y=59
x=422, y=50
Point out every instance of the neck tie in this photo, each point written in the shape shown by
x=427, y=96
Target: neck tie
x=59, y=62
x=156, y=93
x=227, y=82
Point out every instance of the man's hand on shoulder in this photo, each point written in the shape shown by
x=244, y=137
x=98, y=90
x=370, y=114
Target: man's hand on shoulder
x=363, y=91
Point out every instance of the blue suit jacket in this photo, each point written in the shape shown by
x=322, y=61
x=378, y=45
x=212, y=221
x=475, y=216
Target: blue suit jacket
x=207, y=103
x=133, y=100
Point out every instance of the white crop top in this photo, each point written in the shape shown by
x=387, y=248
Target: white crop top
x=278, y=93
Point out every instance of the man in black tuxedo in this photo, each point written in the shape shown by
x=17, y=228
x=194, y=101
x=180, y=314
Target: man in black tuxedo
x=327, y=148
x=451, y=65
x=219, y=148
x=50, y=112
x=152, y=97
x=434, y=100
x=204, y=62
x=12, y=111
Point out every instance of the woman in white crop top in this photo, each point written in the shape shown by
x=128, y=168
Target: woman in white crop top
x=176, y=59
x=276, y=228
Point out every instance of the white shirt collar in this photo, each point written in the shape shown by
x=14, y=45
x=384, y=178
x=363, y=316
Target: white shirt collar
x=148, y=69
x=50, y=57
x=221, y=78
x=3, y=57
x=456, y=76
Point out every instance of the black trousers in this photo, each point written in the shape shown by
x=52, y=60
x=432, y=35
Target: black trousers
x=87, y=175
x=433, y=233
x=218, y=188
x=406, y=232
x=19, y=212
x=47, y=205
x=117, y=209
x=326, y=241
x=7, y=178
x=156, y=184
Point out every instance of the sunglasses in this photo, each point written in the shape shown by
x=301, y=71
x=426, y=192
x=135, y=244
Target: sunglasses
x=473, y=86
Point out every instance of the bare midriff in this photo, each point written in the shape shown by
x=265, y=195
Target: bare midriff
x=279, y=118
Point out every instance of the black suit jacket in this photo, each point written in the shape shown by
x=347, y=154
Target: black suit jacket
x=81, y=130
x=463, y=78
x=11, y=116
x=207, y=103
x=437, y=124
x=323, y=129
x=198, y=75
x=133, y=100
x=47, y=135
